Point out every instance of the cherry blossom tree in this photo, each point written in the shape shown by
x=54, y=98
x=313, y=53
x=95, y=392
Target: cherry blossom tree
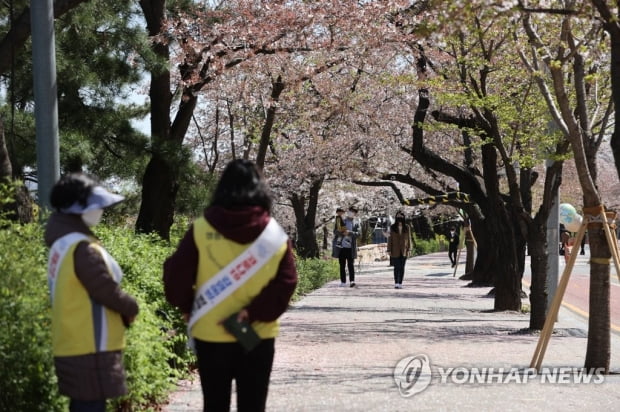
x=296, y=54
x=481, y=93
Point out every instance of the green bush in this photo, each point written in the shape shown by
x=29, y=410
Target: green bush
x=424, y=247
x=155, y=356
x=314, y=273
x=26, y=365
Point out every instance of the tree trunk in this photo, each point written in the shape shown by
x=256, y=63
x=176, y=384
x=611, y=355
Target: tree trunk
x=482, y=273
x=305, y=217
x=6, y=168
x=506, y=268
x=614, y=33
x=537, y=246
x=160, y=180
x=325, y=238
x=502, y=229
x=470, y=250
x=599, y=345
x=159, y=189
x=276, y=89
x=20, y=208
x=502, y=253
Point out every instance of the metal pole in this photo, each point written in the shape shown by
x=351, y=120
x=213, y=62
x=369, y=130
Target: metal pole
x=553, y=241
x=45, y=97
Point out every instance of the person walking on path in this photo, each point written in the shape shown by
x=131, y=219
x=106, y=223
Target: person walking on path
x=347, y=252
x=235, y=264
x=89, y=310
x=453, y=245
x=399, y=243
x=339, y=227
x=583, y=243
x=565, y=245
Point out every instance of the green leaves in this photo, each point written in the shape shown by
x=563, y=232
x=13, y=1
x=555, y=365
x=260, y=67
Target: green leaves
x=26, y=368
x=314, y=273
x=155, y=356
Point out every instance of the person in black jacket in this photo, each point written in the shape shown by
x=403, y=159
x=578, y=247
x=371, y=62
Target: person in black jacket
x=453, y=245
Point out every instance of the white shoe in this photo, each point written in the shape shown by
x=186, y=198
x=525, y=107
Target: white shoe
x=400, y=286
x=343, y=285
x=395, y=285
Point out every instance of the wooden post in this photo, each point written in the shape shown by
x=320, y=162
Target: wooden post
x=547, y=330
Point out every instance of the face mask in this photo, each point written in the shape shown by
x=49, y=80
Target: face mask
x=92, y=217
x=350, y=215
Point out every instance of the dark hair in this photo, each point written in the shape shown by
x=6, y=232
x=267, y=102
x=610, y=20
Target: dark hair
x=71, y=188
x=241, y=184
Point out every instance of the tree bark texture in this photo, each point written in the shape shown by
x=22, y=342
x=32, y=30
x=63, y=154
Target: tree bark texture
x=537, y=246
x=500, y=259
x=305, y=216
x=481, y=274
x=20, y=209
x=160, y=179
x=598, y=352
x=265, y=137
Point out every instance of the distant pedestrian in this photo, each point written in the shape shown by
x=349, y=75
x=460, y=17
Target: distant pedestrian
x=399, y=244
x=90, y=311
x=232, y=276
x=583, y=244
x=339, y=227
x=453, y=245
x=347, y=252
x=565, y=243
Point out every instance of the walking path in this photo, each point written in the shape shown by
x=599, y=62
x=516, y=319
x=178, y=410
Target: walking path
x=338, y=349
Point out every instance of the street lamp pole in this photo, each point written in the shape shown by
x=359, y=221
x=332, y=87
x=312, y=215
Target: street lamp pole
x=45, y=97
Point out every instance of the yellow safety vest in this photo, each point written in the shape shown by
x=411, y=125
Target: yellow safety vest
x=80, y=325
x=214, y=253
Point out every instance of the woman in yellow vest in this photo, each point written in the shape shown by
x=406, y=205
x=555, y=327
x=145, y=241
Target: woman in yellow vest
x=89, y=310
x=215, y=275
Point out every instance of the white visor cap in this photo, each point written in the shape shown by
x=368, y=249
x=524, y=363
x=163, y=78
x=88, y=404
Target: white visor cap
x=98, y=199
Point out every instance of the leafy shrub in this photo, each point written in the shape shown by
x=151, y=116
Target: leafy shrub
x=424, y=247
x=155, y=356
x=26, y=364
x=314, y=273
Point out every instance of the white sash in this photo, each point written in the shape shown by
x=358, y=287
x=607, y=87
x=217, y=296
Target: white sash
x=237, y=272
x=60, y=248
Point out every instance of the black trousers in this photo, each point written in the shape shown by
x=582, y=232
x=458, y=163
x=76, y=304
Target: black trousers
x=345, y=258
x=76, y=405
x=452, y=254
x=220, y=363
x=399, y=269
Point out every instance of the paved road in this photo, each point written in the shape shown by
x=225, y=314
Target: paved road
x=339, y=348
x=578, y=289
